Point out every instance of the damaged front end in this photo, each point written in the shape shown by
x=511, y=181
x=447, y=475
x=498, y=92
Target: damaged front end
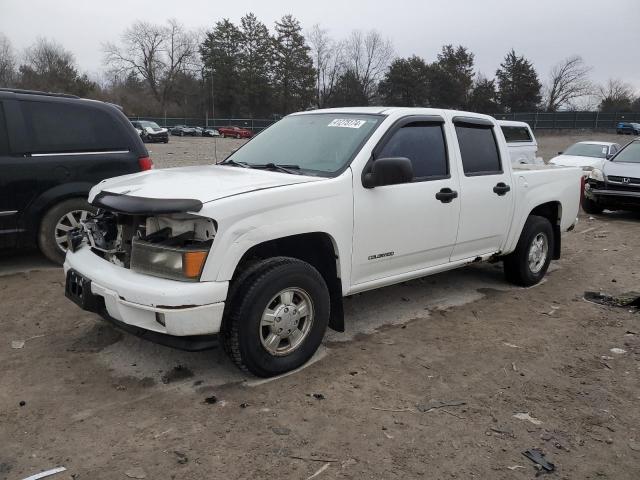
x=148, y=236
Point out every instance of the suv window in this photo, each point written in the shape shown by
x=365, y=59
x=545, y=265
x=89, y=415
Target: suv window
x=422, y=143
x=4, y=139
x=66, y=127
x=516, y=134
x=479, y=150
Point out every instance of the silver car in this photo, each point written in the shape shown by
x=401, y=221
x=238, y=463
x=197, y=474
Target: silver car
x=616, y=184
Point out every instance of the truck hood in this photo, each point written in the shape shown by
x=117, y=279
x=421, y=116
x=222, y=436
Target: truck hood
x=576, y=161
x=206, y=183
x=620, y=169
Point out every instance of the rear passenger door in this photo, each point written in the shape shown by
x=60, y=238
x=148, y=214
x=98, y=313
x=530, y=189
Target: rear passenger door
x=8, y=209
x=486, y=196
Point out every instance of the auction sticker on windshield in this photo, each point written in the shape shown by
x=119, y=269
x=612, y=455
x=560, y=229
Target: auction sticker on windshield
x=347, y=123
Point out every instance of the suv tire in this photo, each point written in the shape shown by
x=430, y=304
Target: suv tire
x=591, y=207
x=528, y=264
x=277, y=314
x=54, y=222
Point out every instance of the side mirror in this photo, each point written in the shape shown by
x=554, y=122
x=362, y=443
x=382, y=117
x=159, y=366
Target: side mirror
x=609, y=156
x=388, y=171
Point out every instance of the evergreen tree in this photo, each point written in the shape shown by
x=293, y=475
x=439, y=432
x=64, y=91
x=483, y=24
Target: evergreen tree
x=348, y=92
x=452, y=77
x=518, y=85
x=294, y=75
x=483, y=97
x=406, y=83
x=220, y=53
x=256, y=53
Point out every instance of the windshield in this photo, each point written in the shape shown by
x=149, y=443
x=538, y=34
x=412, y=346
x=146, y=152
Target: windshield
x=629, y=154
x=319, y=144
x=587, y=150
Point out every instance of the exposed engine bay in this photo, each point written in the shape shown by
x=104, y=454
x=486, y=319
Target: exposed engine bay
x=146, y=243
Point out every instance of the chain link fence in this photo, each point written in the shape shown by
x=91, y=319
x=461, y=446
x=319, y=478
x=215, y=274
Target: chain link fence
x=537, y=120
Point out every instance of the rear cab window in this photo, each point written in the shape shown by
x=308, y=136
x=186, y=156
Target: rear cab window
x=60, y=127
x=424, y=144
x=479, y=149
x=4, y=137
x=516, y=134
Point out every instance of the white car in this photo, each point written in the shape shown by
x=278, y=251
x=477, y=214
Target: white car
x=262, y=248
x=521, y=142
x=586, y=155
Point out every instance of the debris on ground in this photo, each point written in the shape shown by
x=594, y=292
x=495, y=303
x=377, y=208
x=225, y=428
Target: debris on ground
x=211, y=400
x=281, y=430
x=511, y=345
x=16, y=344
x=182, y=457
x=47, y=473
x=22, y=403
x=515, y=467
x=136, y=472
x=320, y=470
x=618, y=351
x=435, y=404
x=526, y=416
x=537, y=457
x=625, y=300
x=318, y=396
x=244, y=405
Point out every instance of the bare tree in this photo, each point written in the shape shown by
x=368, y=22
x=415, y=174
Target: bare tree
x=158, y=54
x=328, y=61
x=616, y=95
x=368, y=56
x=7, y=62
x=568, y=81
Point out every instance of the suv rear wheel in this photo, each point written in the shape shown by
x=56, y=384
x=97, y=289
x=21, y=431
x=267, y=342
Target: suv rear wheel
x=277, y=315
x=528, y=263
x=66, y=215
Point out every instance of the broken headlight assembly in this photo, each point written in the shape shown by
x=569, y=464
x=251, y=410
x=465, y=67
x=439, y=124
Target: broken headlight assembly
x=176, y=249
x=597, y=175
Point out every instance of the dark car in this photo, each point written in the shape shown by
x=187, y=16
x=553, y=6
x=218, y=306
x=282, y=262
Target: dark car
x=235, y=132
x=628, y=128
x=182, y=130
x=151, y=131
x=53, y=149
x=616, y=184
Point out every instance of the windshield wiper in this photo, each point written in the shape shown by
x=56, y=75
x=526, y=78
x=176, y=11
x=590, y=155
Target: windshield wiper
x=237, y=164
x=280, y=167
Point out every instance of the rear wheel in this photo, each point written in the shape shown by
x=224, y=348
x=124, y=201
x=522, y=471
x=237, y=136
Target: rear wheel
x=590, y=206
x=66, y=215
x=528, y=264
x=278, y=312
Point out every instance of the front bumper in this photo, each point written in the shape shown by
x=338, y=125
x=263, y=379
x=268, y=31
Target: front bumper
x=154, y=304
x=158, y=137
x=607, y=195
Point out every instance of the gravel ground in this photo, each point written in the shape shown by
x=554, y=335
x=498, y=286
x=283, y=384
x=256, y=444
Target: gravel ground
x=107, y=405
x=185, y=151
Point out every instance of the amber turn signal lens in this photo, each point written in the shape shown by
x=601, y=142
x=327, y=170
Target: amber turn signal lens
x=192, y=263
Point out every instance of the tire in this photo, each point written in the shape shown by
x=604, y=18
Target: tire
x=591, y=207
x=56, y=221
x=261, y=292
x=524, y=267
x=182, y=134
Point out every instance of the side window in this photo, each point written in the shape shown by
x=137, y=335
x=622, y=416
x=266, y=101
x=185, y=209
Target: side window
x=479, y=150
x=516, y=134
x=422, y=143
x=66, y=127
x=4, y=138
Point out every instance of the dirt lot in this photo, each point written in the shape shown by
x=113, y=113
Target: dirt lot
x=107, y=405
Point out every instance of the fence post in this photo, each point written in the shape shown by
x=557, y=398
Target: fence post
x=597, y=115
x=535, y=122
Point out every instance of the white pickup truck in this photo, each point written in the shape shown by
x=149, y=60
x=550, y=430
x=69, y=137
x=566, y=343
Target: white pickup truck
x=521, y=143
x=262, y=248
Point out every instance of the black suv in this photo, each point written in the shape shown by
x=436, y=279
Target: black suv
x=53, y=149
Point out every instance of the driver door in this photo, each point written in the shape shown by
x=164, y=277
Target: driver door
x=403, y=228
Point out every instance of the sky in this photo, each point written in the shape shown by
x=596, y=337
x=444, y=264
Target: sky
x=605, y=33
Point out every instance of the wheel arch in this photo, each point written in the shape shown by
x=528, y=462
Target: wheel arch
x=552, y=211
x=319, y=249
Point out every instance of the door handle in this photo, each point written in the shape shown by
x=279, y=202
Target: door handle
x=501, y=189
x=446, y=195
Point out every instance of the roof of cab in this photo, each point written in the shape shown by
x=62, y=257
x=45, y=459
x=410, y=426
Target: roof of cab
x=388, y=111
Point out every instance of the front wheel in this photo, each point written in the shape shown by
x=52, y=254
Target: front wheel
x=528, y=263
x=278, y=311
x=66, y=215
